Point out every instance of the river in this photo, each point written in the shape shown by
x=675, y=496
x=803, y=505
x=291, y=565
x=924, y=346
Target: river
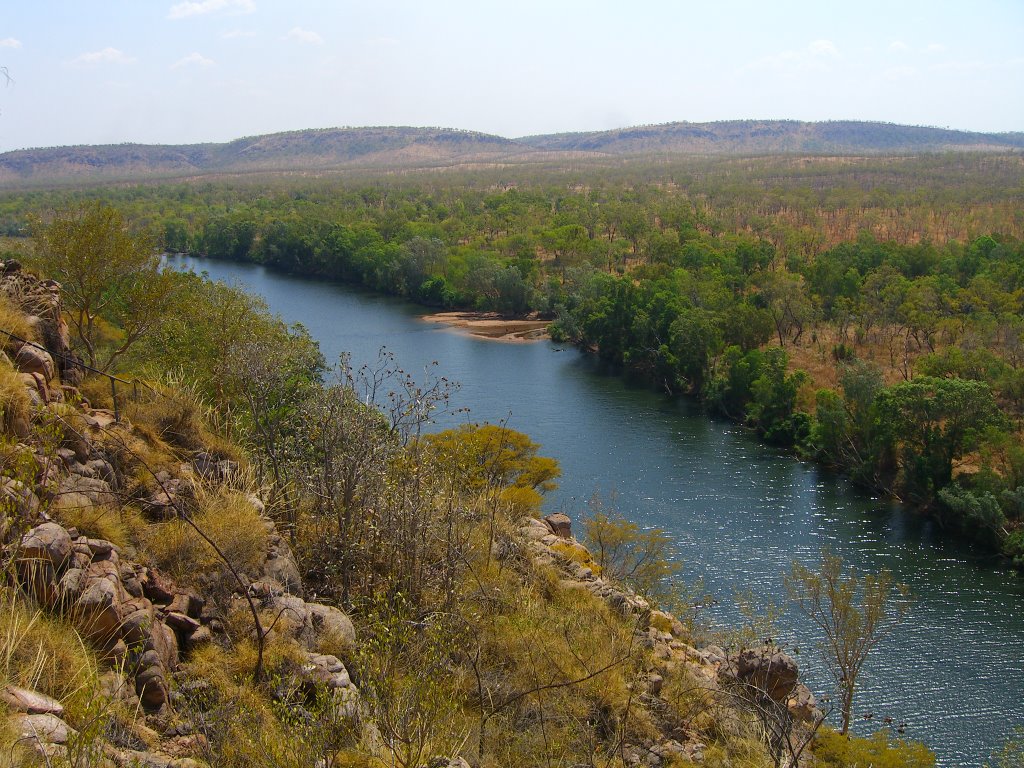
x=738, y=512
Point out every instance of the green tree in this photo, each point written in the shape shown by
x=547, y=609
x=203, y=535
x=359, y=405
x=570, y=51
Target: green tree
x=854, y=613
x=929, y=423
x=112, y=281
x=773, y=400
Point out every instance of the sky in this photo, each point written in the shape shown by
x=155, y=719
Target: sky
x=185, y=71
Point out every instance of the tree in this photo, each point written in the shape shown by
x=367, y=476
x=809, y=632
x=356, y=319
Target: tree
x=641, y=558
x=110, y=277
x=931, y=422
x=853, y=612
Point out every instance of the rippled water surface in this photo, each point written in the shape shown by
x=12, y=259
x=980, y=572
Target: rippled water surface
x=739, y=512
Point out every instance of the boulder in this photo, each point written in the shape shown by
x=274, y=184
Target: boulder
x=97, y=491
x=560, y=525
x=42, y=729
x=447, y=762
x=768, y=669
x=30, y=702
x=802, y=704
x=157, y=587
x=102, y=604
x=328, y=621
x=533, y=529
x=284, y=571
x=32, y=359
x=35, y=384
x=48, y=542
x=24, y=501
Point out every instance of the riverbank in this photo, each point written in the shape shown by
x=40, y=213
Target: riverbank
x=739, y=511
x=492, y=326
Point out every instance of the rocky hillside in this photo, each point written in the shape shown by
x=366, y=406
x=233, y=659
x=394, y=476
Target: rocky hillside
x=404, y=147
x=155, y=615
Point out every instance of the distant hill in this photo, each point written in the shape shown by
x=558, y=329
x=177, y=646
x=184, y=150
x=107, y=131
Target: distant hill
x=404, y=147
x=774, y=136
x=325, y=149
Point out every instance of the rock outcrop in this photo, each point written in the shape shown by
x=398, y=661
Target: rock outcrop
x=143, y=626
x=765, y=672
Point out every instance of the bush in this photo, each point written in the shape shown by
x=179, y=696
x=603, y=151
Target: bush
x=831, y=749
x=627, y=553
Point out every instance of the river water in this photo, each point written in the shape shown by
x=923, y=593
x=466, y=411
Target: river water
x=738, y=512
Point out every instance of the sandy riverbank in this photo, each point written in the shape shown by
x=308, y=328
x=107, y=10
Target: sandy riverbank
x=490, y=325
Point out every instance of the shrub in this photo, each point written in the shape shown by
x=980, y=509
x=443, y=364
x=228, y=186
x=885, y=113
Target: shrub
x=627, y=553
x=832, y=749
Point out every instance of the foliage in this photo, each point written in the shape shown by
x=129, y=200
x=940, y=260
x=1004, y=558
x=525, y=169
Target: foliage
x=108, y=275
x=835, y=750
x=641, y=558
x=1011, y=755
x=853, y=613
x=229, y=519
x=929, y=423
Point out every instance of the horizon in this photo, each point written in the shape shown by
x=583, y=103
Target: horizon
x=209, y=71
x=508, y=138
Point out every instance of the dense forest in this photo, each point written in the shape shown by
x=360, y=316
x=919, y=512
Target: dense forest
x=865, y=312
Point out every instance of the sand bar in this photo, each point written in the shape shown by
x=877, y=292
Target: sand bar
x=491, y=325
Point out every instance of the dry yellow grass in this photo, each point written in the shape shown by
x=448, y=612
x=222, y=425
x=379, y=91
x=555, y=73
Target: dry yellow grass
x=229, y=519
x=14, y=320
x=14, y=400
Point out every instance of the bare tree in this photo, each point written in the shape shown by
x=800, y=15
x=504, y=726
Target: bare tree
x=853, y=612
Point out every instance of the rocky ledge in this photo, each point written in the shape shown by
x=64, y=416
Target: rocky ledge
x=765, y=678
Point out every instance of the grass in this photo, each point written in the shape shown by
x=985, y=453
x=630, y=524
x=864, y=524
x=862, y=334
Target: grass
x=45, y=654
x=15, y=405
x=14, y=320
x=122, y=526
x=229, y=519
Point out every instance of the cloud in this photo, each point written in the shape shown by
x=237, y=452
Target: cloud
x=305, y=36
x=106, y=56
x=823, y=48
x=10, y=42
x=816, y=55
x=192, y=60
x=189, y=8
x=898, y=46
x=935, y=48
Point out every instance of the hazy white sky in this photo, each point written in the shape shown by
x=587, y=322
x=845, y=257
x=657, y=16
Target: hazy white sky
x=178, y=71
